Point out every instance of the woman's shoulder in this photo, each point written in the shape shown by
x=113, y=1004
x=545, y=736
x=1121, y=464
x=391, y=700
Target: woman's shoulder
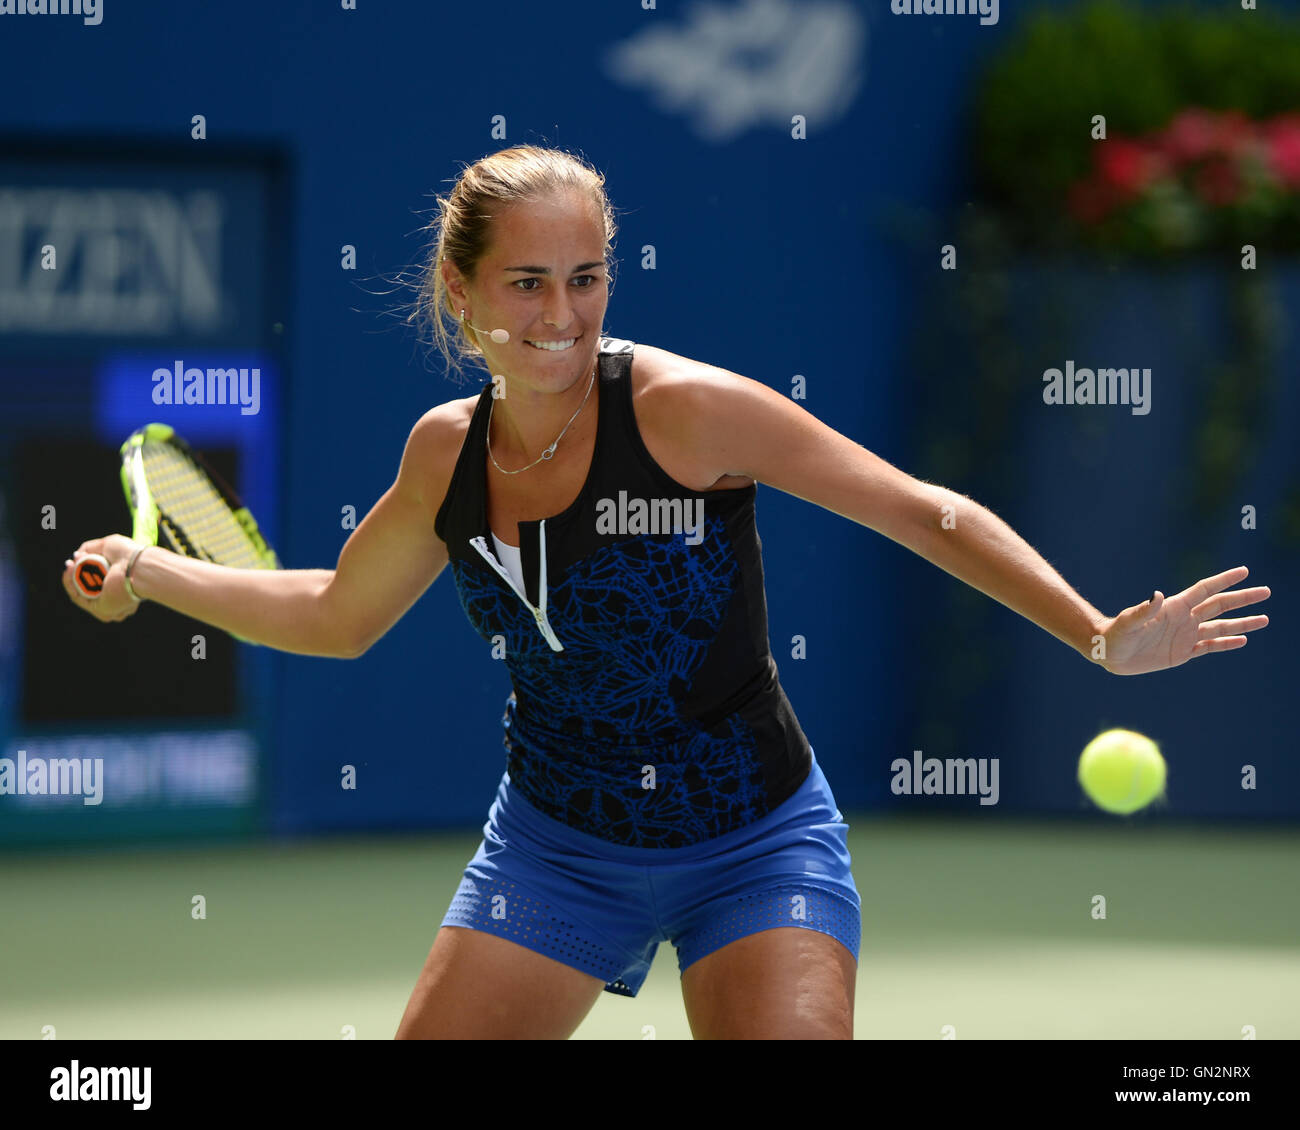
x=670, y=382
x=444, y=426
x=435, y=443
x=676, y=405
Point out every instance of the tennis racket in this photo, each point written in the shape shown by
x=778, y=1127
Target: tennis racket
x=171, y=492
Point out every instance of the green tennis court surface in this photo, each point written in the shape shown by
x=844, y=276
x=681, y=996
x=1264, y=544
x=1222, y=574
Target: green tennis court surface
x=985, y=928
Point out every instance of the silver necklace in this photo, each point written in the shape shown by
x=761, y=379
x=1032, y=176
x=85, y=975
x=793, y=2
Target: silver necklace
x=550, y=450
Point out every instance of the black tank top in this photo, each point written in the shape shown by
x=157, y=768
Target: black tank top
x=646, y=707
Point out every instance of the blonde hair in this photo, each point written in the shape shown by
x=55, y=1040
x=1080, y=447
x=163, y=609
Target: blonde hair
x=461, y=228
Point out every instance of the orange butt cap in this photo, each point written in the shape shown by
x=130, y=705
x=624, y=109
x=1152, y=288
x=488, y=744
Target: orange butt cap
x=90, y=574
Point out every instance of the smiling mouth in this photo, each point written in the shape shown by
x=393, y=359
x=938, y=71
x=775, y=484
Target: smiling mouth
x=559, y=346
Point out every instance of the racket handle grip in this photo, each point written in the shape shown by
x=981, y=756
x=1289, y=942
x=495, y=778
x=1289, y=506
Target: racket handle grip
x=90, y=574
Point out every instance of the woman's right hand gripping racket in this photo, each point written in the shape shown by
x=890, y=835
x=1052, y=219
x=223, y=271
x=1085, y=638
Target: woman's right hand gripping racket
x=171, y=492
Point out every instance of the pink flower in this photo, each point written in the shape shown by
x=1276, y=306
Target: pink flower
x=1196, y=134
x=1190, y=136
x=1128, y=166
x=1236, y=133
x=1215, y=155
x=1282, y=139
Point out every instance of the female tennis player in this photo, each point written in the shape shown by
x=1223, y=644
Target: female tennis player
x=598, y=516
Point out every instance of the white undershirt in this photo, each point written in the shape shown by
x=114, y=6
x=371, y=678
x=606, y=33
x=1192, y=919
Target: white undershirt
x=510, y=557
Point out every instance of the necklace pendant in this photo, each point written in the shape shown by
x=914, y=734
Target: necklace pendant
x=548, y=452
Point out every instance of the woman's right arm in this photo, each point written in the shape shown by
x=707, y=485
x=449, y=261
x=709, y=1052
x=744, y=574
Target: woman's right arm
x=387, y=563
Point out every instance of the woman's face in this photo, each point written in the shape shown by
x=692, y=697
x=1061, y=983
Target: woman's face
x=543, y=280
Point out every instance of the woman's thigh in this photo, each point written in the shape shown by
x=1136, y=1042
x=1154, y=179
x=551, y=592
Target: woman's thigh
x=477, y=986
x=786, y=983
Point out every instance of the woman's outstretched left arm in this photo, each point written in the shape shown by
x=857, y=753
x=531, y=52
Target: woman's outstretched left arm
x=742, y=427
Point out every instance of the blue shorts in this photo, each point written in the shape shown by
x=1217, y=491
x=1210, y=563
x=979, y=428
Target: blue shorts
x=604, y=908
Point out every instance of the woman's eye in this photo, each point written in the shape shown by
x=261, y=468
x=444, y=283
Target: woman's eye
x=590, y=280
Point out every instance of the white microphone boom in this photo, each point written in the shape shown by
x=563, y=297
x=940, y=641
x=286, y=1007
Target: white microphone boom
x=498, y=336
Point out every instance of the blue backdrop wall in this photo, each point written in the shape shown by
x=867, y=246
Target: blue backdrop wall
x=775, y=257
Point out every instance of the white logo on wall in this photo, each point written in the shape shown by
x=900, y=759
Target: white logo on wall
x=756, y=63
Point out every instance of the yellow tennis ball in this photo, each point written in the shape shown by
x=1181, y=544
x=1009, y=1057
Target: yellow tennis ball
x=1122, y=771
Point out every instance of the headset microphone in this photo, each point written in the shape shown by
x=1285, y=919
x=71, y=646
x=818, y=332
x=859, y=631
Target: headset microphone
x=498, y=336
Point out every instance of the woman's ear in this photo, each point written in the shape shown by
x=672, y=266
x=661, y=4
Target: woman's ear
x=451, y=277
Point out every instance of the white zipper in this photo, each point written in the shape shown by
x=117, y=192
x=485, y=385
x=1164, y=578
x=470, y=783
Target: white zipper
x=539, y=612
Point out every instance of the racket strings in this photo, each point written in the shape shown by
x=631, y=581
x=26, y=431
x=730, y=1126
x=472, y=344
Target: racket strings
x=191, y=507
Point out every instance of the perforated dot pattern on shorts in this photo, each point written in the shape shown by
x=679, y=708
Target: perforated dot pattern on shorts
x=827, y=912
x=536, y=924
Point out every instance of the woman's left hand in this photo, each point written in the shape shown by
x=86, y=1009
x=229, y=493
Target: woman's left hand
x=1161, y=633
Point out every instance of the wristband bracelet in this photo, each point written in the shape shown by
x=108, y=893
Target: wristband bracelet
x=126, y=579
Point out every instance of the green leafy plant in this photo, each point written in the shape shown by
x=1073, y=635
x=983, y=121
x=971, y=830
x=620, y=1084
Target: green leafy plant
x=1159, y=77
